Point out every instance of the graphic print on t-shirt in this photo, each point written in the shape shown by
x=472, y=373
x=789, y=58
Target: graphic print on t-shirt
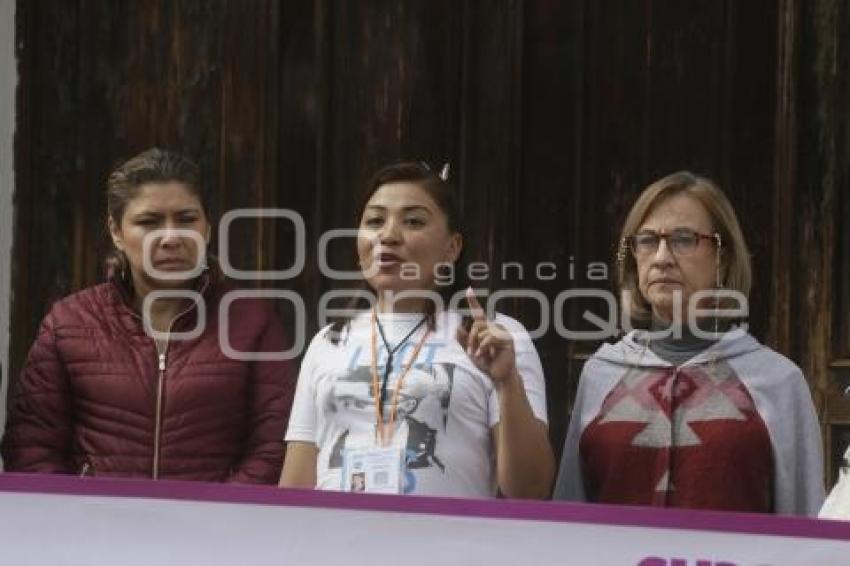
x=422, y=412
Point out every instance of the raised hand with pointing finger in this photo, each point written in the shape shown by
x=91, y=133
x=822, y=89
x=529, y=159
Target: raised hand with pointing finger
x=524, y=460
x=488, y=344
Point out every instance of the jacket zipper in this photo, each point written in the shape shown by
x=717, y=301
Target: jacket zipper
x=157, y=439
x=160, y=392
x=160, y=385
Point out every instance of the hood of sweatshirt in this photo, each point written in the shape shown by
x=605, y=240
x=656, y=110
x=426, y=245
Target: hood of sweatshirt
x=633, y=350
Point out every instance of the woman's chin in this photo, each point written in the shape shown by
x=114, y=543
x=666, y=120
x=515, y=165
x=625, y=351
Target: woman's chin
x=392, y=283
x=665, y=307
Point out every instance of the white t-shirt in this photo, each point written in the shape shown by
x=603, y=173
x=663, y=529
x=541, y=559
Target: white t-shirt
x=445, y=412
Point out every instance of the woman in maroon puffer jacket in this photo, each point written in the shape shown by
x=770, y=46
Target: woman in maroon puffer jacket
x=117, y=385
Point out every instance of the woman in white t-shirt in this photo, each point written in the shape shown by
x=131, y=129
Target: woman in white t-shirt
x=462, y=411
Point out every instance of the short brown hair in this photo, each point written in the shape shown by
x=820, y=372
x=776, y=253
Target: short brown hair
x=735, y=256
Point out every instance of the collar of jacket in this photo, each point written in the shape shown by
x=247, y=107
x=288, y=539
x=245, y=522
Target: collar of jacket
x=205, y=284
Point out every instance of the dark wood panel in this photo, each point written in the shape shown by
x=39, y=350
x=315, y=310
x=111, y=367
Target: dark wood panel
x=825, y=173
x=837, y=440
x=248, y=132
x=491, y=101
x=815, y=195
x=747, y=168
x=841, y=69
x=392, y=95
x=303, y=139
x=393, y=89
x=552, y=116
x=785, y=170
x=686, y=99
x=22, y=320
x=47, y=38
x=819, y=272
x=616, y=121
x=611, y=162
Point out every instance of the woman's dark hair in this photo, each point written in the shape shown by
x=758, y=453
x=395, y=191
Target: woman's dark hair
x=151, y=166
x=444, y=196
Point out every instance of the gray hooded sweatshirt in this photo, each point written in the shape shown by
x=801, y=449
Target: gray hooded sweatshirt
x=778, y=390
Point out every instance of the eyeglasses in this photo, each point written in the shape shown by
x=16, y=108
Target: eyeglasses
x=681, y=241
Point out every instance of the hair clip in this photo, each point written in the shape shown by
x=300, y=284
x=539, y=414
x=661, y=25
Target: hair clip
x=444, y=172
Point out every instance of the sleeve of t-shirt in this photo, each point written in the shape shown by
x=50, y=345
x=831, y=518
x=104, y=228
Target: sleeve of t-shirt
x=529, y=368
x=302, y=419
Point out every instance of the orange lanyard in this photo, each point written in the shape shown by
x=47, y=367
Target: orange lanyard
x=383, y=432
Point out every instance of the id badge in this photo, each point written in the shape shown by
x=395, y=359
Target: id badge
x=373, y=470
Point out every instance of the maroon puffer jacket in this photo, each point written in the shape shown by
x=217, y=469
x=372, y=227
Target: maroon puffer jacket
x=93, y=401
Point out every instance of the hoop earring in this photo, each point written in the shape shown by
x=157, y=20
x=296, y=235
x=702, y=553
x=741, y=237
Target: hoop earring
x=125, y=264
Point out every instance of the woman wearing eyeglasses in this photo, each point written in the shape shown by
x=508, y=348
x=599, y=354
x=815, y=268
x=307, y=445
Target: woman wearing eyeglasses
x=690, y=410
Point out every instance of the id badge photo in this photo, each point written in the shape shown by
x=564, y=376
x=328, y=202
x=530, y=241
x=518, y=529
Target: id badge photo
x=373, y=470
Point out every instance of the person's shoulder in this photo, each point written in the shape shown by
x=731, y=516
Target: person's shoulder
x=510, y=323
x=95, y=299
x=326, y=335
x=604, y=368
x=627, y=349
x=765, y=357
x=325, y=348
x=86, y=310
x=329, y=337
x=98, y=293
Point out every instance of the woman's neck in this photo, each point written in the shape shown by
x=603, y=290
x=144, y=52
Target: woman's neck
x=679, y=329
x=162, y=311
x=389, y=303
